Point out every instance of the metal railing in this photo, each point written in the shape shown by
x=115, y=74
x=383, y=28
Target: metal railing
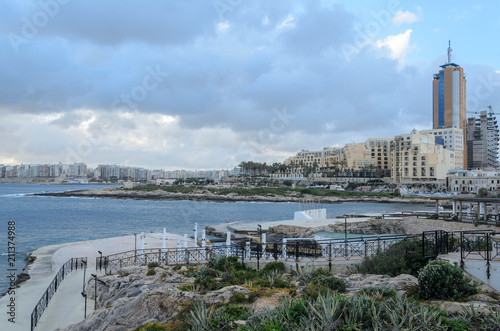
x=481, y=243
x=291, y=251
x=70, y=265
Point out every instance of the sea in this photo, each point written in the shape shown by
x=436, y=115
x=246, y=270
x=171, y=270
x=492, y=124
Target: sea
x=41, y=221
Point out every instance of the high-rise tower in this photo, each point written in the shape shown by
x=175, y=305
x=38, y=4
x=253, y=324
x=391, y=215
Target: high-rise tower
x=449, y=94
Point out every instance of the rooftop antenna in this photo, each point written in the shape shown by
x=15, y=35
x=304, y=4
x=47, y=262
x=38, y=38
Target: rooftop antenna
x=449, y=51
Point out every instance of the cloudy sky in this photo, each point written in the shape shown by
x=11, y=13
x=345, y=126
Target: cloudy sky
x=206, y=84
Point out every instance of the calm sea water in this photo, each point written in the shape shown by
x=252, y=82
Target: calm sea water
x=42, y=221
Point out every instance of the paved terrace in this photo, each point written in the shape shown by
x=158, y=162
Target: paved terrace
x=481, y=204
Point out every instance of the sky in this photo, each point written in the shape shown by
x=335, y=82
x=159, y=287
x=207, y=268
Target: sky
x=186, y=84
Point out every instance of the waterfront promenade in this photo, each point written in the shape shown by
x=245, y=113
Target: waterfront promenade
x=67, y=305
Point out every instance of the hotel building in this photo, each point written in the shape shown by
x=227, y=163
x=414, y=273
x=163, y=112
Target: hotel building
x=449, y=99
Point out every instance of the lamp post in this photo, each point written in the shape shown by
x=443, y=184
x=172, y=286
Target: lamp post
x=345, y=235
x=95, y=290
x=100, y=261
x=345, y=228
x=259, y=247
x=135, y=247
x=84, y=293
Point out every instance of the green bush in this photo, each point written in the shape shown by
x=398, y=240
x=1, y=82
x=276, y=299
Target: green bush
x=151, y=272
x=152, y=265
x=271, y=266
x=404, y=257
x=225, y=264
x=446, y=281
x=384, y=291
x=333, y=283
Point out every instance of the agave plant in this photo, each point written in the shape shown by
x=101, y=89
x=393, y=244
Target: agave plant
x=326, y=311
x=249, y=282
x=492, y=320
x=200, y=317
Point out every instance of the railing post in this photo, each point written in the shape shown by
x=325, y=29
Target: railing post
x=487, y=255
x=297, y=255
x=423, y=244
x=330, y=256
x=243, y=255
x=259, y=249
x=462, y=246
x=275, y=252
x=436, y=252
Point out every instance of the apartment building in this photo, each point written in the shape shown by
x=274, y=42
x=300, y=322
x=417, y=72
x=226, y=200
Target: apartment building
x=417, y=159
x=482, y=141
x=323, y=158
x=381, y=149
x=469, y=181
x=452, y=138
x=358, y=156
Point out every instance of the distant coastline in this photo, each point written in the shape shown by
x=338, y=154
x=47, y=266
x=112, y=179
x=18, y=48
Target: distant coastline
x=205, y=195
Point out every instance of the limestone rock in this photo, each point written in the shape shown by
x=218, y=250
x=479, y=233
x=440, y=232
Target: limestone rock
x=399, y=284
x=482, y=304
x=224, y=294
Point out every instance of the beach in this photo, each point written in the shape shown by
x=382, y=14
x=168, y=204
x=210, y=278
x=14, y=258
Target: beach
x=67, y=306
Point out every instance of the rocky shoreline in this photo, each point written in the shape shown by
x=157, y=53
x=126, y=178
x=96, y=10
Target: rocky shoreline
x=204, y=195
x=133, y=297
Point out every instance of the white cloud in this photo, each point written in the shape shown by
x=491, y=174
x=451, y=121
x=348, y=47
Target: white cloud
x=399, y=45
x=407, y=17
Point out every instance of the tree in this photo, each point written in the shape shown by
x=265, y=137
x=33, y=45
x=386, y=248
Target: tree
x=482, y=192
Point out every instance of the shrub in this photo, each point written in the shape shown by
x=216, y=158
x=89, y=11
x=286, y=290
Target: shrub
x=404, y=257
x=271, y=266
x=151, y=272
x=151, y=326
x=239, y=297
x=152, y=265
x=443, y=280
x=333, y=283
x=225, y=264
x=383, y=291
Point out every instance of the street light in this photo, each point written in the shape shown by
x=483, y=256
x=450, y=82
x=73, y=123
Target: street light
x=84, y=293
x=259, y=247
x=100, y=261
x=95, y=291
x=345, y=227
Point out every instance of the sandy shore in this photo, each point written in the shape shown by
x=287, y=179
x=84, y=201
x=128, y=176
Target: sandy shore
x=67, y=305
x=204, y=195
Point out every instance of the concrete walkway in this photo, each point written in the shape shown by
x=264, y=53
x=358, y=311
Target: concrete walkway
x=476, y=267
x=67, y=304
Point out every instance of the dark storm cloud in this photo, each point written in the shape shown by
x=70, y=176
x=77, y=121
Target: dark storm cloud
x=270, y=75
